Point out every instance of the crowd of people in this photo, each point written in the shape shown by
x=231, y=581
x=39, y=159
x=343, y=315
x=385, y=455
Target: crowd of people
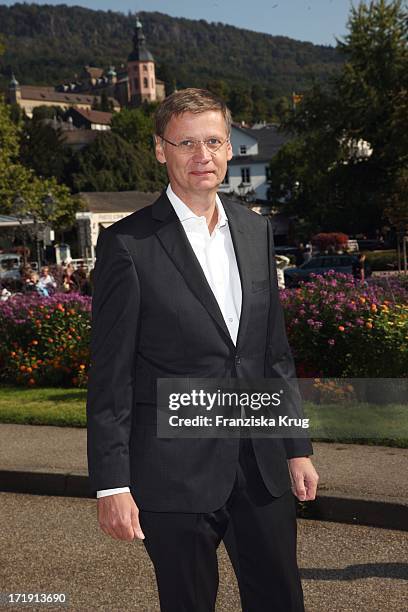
x=52, y=279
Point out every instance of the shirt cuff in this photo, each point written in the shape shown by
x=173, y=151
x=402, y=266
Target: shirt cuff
x=106, y=492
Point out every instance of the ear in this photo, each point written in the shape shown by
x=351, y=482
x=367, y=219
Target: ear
x=160, y=155
x=229, y=151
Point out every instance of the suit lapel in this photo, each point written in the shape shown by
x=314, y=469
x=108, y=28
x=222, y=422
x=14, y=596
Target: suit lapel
x=173, y=238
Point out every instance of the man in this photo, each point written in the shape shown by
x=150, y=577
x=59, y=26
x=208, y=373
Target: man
x=187, y=288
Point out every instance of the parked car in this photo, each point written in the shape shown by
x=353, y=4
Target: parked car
x=368, y=244
x=10, y=266
x=319, y=265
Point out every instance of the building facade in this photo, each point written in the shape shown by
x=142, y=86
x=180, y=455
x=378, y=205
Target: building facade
x=102, y=209
x=28, y=97
x=248, y=170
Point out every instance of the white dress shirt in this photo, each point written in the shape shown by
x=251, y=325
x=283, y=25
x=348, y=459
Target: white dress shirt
x=216, y=255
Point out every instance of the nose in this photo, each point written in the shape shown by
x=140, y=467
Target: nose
x=202, y=153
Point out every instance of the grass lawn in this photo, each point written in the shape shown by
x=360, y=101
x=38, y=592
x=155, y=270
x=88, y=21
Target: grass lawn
x=363, y=423
x=43, y=406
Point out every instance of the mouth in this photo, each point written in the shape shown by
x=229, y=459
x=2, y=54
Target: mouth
x=202, y=172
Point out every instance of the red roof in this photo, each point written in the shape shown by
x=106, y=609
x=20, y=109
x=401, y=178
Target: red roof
x=94, y=116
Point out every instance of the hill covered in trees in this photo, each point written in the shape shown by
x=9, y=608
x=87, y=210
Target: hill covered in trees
x=49, y=44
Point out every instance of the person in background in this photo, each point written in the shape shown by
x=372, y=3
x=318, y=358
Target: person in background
x=359, y=268
x=47, y=282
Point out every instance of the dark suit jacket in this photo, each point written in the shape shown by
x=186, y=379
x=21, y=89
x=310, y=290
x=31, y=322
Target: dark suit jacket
x=155, y=316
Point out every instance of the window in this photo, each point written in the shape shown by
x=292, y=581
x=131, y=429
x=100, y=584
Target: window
x=268, y=173
x=226, y=178
x=144, y=67
x=145, y=82
x=246, y=175
x=242, y=149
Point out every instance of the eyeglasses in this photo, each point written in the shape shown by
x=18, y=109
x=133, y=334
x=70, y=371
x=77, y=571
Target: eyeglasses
x=191, y=145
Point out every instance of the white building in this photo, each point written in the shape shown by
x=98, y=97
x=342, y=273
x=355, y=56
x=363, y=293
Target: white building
x=253, y=149
x=101, y=209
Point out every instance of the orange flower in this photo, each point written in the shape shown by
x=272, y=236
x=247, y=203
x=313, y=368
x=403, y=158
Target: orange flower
x=71, y=311
x=34, y=342
x=362, y=299
x=50, y=340
x=31, y=381
x=82, y=367
x=373, y=308
x=22, y=368
x=369, y=325
x=29, y=369
x=341, y=328
x=13, y=353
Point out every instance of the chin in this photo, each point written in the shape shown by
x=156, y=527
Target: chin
x=207, y=181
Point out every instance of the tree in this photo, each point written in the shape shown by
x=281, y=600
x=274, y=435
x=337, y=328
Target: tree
x=240, y=103
x=43, y=149
x=112, y=164
x=349, y=135
x=103, y=103
x=220, y=88
x=135, y=125
x=18, y=182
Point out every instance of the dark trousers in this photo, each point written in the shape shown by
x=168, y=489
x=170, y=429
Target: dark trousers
x=259, y=532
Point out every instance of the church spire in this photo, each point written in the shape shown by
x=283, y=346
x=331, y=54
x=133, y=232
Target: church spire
x=140, y=52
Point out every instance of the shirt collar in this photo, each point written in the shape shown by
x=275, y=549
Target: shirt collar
x=184, y=212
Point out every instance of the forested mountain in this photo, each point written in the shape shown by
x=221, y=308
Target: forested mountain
x=47, y=44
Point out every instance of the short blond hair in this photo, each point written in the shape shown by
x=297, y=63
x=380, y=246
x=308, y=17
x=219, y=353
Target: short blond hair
x=189, y=100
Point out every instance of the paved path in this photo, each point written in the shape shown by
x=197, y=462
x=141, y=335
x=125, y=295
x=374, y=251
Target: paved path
x=53, y=544
x=358, y=483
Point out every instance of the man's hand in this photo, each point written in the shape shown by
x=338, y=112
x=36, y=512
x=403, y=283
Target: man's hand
x=118, y=517
x=304, y=478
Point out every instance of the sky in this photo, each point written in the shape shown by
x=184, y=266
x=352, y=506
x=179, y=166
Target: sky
x=317, y=21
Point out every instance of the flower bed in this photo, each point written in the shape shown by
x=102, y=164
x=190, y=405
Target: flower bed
x=45, y=341
x=336, y=327
x=340, y=327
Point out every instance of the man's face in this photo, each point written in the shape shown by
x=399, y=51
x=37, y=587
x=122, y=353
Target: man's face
x=200, y=171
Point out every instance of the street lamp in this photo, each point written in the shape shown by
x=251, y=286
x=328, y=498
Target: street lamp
x=242, y=189
x=49, y=208
x=19, y=210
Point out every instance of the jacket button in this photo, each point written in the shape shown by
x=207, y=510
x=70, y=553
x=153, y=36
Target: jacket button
x=237, y=360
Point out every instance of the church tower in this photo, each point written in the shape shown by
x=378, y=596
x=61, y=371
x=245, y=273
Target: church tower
x=14, y=93
x=141, y=72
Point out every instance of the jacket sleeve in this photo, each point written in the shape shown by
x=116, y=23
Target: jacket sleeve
x=279, y=359
x=114, y=335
